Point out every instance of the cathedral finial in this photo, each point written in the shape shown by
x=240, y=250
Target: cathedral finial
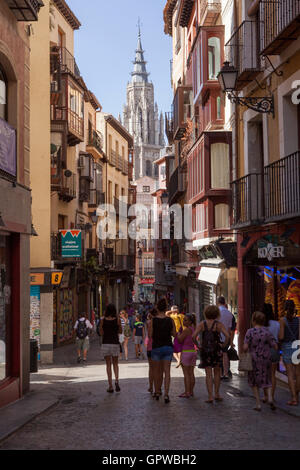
x=139, y=26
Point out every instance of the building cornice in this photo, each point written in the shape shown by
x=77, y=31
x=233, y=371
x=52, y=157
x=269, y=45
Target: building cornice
x=67, y=13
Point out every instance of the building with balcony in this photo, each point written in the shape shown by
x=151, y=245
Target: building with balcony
x=203, y=151
x=15, y=197
x=265, y=185
x=118, y=247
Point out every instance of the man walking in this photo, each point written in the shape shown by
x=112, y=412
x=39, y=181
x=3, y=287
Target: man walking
x=226, y=319
x=83, y=328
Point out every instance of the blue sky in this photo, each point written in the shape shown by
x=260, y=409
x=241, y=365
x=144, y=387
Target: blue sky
x=105, y=48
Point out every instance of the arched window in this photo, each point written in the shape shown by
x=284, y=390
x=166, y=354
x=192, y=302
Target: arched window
x=214, y=58
x=148, y=168
x=3, y=94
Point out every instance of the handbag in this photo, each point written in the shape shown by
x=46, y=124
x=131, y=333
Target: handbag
x=245, y=362
x=232, y=354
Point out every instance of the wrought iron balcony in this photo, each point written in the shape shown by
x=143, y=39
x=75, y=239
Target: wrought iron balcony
x=242, y=51
x=169, y=127
x=282, y=188
x=112, y=158
x=74, y=123
x=182, y=110
x=25, y=10
x=209, y=12
x=248, y=205
x=95, y=140
x=280, y=25
x=125, y=167
x=68, y=63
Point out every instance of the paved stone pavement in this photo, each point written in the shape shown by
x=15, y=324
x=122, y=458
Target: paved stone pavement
x=87, y=418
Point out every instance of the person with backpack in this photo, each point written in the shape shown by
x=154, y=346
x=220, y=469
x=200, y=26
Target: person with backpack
x=211, y=350
x=83, y=328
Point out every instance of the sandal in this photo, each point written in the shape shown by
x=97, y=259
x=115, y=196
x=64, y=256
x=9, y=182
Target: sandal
x=184, y=395
x=292, y=403
x=110, y=390
x=156, y=396
x=209, y=401
x=218, y=399
x=117, y=387
x=167, y=399
x=272, y=406
x=150, y=390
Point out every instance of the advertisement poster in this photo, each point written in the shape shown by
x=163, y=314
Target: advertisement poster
x=35, y=301
x=71, y=243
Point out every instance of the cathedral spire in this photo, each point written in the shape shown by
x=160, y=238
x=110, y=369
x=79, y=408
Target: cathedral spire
x=139, y=73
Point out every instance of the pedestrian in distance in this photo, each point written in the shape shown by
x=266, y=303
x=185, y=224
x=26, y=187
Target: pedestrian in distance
x=151, y=314
x=127, y=333
x=178, y=321
x=161, y=331
x=83, y=329
x=226, y=318
x=110, y=328
x=259, y=341
x=139, y=337
x=274, y=328
x=188, y=355
x=288, y=334
x=211, y=350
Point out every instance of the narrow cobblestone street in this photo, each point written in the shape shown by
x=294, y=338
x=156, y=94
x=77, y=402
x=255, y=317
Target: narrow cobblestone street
x=87, y=418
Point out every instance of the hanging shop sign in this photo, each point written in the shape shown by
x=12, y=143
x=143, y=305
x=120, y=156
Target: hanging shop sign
x=71, y=243
x=274, y=251
x=37, y=279
x=56, y=278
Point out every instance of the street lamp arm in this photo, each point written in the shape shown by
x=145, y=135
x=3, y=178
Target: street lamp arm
x=260, y=104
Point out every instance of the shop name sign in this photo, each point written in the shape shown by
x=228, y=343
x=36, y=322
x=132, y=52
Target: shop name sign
x=71, y=243
x=270, y=252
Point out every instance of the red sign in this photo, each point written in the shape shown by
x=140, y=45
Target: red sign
x=147, y=281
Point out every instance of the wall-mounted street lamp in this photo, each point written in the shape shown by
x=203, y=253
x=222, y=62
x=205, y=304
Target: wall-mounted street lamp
x=228, y=76
x=164, y=198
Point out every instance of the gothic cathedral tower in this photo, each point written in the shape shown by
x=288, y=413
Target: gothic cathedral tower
x=141, y=118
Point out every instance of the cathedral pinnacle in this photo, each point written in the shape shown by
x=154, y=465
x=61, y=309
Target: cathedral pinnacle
x=139, y=73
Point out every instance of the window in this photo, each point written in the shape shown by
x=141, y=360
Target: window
x=3, y=95
x=148, y=168
x=220, y=167
x=146, y=189
x=76, y=102
x=214, y=58
x=218, y=107
x=221, y=216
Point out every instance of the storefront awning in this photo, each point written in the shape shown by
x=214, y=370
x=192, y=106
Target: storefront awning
x=209, y=275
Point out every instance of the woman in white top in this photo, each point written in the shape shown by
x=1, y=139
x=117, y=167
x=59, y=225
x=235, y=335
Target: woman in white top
x=274, y=328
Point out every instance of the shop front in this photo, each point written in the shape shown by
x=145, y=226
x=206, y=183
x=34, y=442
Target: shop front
x=269, y=272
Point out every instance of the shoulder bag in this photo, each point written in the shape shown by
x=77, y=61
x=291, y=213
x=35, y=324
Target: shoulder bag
x=245, y=362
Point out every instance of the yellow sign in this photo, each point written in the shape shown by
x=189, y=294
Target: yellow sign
x=37, y=279
x=56, y=278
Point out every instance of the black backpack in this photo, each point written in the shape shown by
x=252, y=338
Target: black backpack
x=82, y=330
x=210, y=340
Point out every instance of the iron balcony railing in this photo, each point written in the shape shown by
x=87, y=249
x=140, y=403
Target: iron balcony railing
x=248, y=205
x=280, y=24
x=125, y=167
x=242, y=50
x=112, y=157
x=182, y=110
x=95, y=139
x=177, y=184
x=282, y=188
x=75, y=122
x=68, y=63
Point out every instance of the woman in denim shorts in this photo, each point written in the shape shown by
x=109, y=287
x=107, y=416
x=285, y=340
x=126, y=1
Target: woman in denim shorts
x=161, y=330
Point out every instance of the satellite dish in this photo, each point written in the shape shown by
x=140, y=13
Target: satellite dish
x=68, y=174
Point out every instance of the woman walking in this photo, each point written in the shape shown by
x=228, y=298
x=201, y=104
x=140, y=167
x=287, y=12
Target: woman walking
x=121, y=336
x=259, y=342
x=290, y=332
x=161, y=330
x=110, y=328
x=188, y=355
x=152, y=314
x=127, y=333
x=211, y=350
x=274, y=327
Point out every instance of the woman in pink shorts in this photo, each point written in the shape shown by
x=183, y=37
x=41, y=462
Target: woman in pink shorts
x=189, y=354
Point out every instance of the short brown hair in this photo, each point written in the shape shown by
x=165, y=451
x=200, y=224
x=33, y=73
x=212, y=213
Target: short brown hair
x=162, y=305
x=259, y=318
x=212, y=312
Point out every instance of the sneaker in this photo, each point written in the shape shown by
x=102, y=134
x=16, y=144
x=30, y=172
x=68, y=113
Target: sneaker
x=78, y=360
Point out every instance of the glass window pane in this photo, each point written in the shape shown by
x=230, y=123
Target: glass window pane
x=214, y=57
x=220, y=167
